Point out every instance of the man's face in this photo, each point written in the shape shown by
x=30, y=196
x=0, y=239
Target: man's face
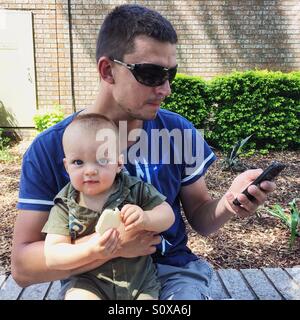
x=136, y=100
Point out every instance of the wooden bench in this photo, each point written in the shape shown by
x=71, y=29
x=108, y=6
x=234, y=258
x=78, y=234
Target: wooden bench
x=244, y=284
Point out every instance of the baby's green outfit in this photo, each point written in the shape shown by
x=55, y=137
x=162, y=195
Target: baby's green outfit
x=119, y=278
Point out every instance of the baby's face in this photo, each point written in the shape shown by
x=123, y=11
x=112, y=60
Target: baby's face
x=92, y=165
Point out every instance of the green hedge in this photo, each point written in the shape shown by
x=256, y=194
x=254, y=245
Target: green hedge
x=188, y=98
x=46, y=119
x=231, y=107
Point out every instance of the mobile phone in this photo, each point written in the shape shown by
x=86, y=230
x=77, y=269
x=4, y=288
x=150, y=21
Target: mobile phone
x=268, y=174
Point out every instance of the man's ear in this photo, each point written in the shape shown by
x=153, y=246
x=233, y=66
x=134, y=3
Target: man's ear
x=105, y=69
x=65, y=164
x=120, y=162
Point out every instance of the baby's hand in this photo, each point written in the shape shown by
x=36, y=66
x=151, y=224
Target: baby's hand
x=106, y=245
x=134, y=217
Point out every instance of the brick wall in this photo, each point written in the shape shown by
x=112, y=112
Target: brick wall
x=215, y=37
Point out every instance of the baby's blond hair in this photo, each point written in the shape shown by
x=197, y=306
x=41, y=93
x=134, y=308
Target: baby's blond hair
x=90, y=123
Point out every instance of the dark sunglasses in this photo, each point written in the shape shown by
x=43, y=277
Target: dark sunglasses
x=148, y=74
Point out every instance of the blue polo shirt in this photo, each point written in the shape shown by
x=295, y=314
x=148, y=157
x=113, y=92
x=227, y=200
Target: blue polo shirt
x=169, y=154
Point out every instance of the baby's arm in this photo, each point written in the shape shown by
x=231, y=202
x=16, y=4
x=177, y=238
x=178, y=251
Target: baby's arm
x=158, y=219
x=61, y=254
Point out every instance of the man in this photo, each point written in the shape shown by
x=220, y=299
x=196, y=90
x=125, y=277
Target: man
x=136, y=58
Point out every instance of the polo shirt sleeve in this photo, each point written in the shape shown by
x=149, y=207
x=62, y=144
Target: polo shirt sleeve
x=38, y=185
x=150, y=196
x=197, y=156
x=58, y=222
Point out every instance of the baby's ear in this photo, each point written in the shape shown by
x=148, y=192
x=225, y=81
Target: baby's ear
x=65, y=164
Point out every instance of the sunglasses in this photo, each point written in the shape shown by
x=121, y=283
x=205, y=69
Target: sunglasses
x=148, y=74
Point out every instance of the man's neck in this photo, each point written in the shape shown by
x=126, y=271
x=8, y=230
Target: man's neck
x=105, y=105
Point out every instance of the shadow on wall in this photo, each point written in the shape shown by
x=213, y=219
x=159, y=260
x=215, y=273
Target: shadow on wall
x=257, y=35
x=8, y=122
x=236, y=35
x=241, y=35
x=85, y=27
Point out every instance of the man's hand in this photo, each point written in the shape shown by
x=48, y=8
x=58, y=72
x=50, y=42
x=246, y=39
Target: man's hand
x=258, y=192
x=134, y=244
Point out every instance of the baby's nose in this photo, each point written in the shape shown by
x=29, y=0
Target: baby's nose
x=91, y=170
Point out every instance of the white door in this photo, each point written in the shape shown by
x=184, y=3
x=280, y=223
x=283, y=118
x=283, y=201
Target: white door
x=17, y=72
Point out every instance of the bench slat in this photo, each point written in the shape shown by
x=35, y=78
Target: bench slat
x=2, y=279
x=246, y=284
x=294, y=273
x=260, y=284
x=283, y=283
x=218, y=291
x=235, y=284
x=10, y=290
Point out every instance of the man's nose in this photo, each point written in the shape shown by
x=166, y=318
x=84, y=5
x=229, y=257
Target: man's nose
x=164, y=89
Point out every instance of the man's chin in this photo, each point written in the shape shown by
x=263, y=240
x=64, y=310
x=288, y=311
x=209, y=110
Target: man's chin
x=152, y=114
x=152, y=117
x=146, y=115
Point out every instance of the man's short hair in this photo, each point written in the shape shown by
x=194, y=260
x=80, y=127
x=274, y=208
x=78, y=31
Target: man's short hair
x=122, y=25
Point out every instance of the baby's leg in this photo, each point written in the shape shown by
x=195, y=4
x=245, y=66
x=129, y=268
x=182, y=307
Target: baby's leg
x=147, y=296
x=150, y=286
x=80, y=294
x=80, y=288
x=150, y=290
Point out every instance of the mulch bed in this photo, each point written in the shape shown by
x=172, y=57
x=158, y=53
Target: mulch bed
x=256, y=241
x=251, y=242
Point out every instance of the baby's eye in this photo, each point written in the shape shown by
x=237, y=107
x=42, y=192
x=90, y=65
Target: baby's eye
x=103, y=161
x=77, y=162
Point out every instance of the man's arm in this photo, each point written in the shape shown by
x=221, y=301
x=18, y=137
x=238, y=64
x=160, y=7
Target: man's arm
x=28, y=264
x=28, y=261
x=207, y=216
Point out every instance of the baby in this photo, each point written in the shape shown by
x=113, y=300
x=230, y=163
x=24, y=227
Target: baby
x=97, y=182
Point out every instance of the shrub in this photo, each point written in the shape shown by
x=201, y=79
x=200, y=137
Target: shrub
x=291, y=220
x=232, y=160
x=45, y=120
x=188, y=98
x=5, y=144
x=4, y=140
x=265, y=104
